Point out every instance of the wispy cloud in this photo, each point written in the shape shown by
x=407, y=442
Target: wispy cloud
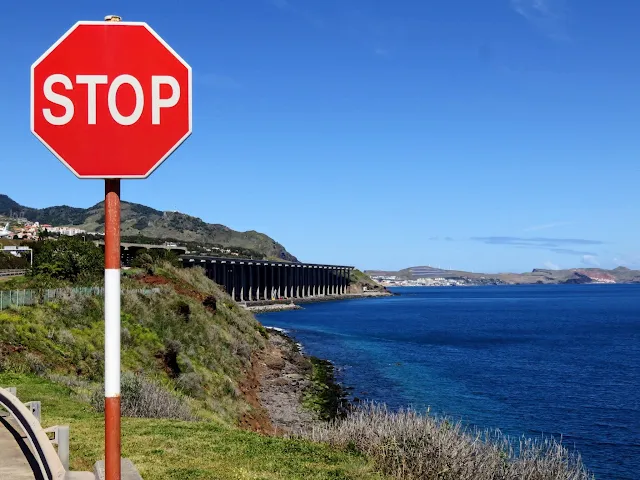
x=591, y=260
x=382, y=52
x=214, y=80
x=630, y=261
x=571, y=251
x=550, y=265
x=547, y=226
x=556, y=245
x=282, y=4
x=536, y=241
x=446, y=239
x=547, y=16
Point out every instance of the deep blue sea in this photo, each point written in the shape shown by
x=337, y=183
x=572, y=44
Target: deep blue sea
x=558, y=360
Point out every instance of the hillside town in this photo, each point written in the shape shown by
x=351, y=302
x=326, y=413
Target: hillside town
x=26, y=230
x=393, y=281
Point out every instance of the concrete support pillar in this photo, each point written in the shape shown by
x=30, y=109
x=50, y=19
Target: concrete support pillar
x=233, y=279
x=287, y=279
x=314, y=281
x=334, y=281
x=266, y=282
x=344, y=281
x=250, y=281
x=272, y=294
x=294, y=281
x=305, y=275
x=242, y=272
x=326, y=280
x=300, y=281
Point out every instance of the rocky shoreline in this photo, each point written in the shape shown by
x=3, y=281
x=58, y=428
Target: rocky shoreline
x=291, y=392
x=295, y=391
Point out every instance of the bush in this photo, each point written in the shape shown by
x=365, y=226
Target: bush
x=68, y=258
x=411, y=446
x=144, y=399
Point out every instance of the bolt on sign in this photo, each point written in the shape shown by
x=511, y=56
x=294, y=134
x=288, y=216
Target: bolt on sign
x=111, y=100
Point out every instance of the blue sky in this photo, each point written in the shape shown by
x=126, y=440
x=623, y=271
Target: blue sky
x=485, y=135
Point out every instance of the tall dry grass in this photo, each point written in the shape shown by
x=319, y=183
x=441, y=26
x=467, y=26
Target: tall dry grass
x=408, y=445
x=145, y=399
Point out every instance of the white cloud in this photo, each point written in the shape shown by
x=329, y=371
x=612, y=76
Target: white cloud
x=551, y=266
x=590, y=260
x=629, y=261
x=546, y=226
x=548, y=16
x=383, y=52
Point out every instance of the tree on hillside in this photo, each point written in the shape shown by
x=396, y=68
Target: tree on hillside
x=68, y=258
x=9, y=262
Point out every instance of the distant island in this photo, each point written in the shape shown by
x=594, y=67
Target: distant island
x=429, y=276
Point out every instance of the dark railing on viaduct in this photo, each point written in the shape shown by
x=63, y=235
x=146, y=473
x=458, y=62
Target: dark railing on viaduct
x=253, y=280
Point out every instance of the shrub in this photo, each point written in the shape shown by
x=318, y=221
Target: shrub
x=144, y=399
x=68, y=258
x=191, y=384
x=411, y=446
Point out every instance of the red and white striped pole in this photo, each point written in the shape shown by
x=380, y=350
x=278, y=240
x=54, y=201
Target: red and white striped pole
x=112, y=437
x=112, y=329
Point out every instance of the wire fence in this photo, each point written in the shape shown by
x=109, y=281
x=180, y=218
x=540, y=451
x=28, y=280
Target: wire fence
x=22, y=298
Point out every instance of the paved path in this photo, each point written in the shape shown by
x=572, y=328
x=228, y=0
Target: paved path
x=15, y=453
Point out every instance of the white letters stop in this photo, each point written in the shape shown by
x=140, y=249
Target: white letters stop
x=92, y=81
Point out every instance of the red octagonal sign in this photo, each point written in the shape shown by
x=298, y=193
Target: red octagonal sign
x=111, y=100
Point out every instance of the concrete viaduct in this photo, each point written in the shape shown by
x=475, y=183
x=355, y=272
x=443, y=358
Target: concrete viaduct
x=128, y=251
x=254, y=280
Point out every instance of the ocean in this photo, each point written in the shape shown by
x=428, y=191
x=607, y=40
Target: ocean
x=557, y=360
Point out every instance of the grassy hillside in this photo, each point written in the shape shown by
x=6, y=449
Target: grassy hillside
x=140, y=220
x=360, y=280
x=189, y=337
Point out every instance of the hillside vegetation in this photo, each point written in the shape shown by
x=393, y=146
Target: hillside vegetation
x=145, y=222
x=189, y=337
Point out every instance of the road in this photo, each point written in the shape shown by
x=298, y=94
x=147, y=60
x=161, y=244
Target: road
x=15, y=452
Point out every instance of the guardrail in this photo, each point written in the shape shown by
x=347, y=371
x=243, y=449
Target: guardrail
x=12, y=273
x=50, y=463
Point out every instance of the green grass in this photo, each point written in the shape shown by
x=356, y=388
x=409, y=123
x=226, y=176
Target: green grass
x=167, y=449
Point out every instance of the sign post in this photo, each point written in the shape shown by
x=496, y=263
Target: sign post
x=112, y=329
x=111, y=100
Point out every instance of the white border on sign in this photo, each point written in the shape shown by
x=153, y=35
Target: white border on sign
x=113, y=24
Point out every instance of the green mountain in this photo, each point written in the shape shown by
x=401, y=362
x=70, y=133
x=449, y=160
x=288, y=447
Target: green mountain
x=147, y=223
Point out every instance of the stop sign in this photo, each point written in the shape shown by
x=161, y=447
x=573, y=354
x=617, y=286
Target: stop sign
x=111, y=100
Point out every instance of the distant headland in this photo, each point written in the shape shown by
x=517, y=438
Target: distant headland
x=429, y=276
